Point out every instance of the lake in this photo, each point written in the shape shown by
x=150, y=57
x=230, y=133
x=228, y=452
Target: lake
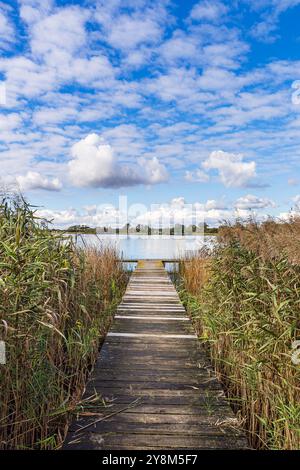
x=133, y=247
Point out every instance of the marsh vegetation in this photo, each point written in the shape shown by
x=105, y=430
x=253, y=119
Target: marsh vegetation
x=244, y=299
x=56, y=303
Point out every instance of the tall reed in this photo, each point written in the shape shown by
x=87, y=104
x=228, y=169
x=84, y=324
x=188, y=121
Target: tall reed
x=245, y=301
x=56, y=303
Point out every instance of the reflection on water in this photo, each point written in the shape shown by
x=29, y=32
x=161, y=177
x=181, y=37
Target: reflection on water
x=133, y=247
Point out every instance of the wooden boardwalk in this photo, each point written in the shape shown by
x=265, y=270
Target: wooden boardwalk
x=155, y=378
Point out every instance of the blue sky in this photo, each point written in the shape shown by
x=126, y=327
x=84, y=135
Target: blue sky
x=162, y=101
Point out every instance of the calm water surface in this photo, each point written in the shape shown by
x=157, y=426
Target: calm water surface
x=132, y=247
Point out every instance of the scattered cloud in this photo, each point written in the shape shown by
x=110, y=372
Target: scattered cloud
x=296, y=201
x=266, y=29
x=179, y=46
x=60, y=218
x=10, y=121
x=32, y=11
x=34, y=180
x=197, y=176
x=6, y=30
x=212, y=204
x=94, y=164
x=250, y=202
x=132, y=32
x=208, y=11
x=60, y=32
x=231, y=168
x=176, y=211
x=128, y=32
x=99, y=217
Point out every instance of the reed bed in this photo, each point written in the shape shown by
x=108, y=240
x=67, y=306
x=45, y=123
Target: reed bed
x=245, y=301
x=270, y=240
x=56, y=305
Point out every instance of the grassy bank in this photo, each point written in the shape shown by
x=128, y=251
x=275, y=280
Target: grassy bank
x=245, y=301
x=56, y=305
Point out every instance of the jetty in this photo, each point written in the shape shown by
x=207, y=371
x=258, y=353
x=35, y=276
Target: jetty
x=154, y=377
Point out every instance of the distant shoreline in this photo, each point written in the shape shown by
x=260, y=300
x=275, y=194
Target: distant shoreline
x=196, y=234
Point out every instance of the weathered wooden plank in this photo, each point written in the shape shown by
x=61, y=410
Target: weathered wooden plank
x=140, y=355
x=185, y=414
x=149, y=317
x=171, y=427
x=189, y=377
x=146, y=441
x=153, y=363
x=206, y=414
x=158, y=327
x=207, y=399
x=185, y=388
x=153, y=334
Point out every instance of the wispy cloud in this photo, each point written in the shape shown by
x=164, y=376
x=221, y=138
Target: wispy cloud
x=266, y=29
x=198, y=176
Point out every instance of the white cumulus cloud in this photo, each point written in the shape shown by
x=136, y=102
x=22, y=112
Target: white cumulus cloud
x=34, y=180
x=232, y=170
x=94, y=164
x=253, y=202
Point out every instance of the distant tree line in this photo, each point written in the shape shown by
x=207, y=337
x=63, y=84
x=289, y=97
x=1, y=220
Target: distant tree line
x=178, y=229
x=81, y=229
